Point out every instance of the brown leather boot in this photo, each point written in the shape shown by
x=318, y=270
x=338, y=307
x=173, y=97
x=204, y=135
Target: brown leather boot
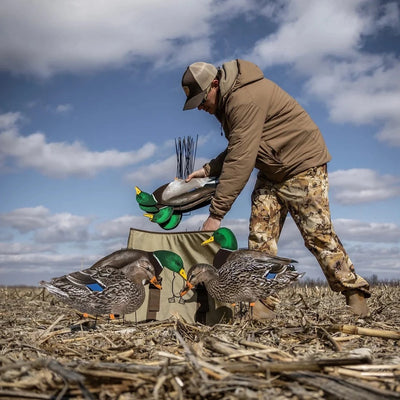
x=355, y=299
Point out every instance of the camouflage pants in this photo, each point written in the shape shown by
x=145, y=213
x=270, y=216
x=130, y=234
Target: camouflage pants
x=305, y=197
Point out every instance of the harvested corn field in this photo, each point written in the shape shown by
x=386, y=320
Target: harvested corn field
x=314, y=349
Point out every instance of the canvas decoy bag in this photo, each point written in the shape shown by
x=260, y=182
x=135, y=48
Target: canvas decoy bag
x=197, y=305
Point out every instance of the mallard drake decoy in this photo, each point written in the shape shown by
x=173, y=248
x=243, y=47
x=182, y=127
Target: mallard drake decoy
x=163, y=215
x=244, y=276
x=168, y=224
x=114, y=284
x=227, y=242
x=171, y=261
x=182, y=196
x=145, y=199
x=224, y=237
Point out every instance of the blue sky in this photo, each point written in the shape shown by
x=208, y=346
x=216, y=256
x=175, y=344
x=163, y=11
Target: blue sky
x=91, y=103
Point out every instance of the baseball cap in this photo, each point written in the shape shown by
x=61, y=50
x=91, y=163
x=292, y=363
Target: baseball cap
x=195, y=82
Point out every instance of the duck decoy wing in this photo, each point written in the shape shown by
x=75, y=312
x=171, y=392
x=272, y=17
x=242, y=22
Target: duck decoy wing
x=81, y=278
x=58, y=292
x=262, y=256
x=221, y=257
x=120, y=258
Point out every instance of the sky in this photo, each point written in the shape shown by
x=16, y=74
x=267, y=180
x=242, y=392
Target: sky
x=91, y=105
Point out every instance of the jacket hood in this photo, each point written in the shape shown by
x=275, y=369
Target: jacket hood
x=236, y=74
x=247, y=73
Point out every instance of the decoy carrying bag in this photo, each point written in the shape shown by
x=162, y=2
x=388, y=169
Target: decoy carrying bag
x=162, y=304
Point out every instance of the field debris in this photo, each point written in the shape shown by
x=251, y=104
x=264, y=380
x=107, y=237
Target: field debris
x=314, y=349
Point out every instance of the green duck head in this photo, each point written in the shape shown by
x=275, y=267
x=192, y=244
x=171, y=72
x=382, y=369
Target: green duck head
x=145, y=199
x=224, y=237
x=169, y=259
x=162, y=216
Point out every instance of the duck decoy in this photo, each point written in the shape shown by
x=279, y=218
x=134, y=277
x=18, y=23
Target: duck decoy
x=114, y=284
x=163, y=215
x=186, y=196
x=145, y=199
x=168, y=223
x=180, y=195
x=226, y=239
x=244, y=276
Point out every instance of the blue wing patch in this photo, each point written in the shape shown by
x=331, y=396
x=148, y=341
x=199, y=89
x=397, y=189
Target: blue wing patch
x=270, y=275
x=95, y=287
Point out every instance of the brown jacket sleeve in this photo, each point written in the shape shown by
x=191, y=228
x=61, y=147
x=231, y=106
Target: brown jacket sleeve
x=214, y=167
x=245, y=130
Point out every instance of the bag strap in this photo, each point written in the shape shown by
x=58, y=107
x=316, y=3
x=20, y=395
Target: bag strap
x=154, y=303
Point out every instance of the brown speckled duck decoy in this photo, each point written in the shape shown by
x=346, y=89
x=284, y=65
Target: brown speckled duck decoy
x=244, y=276
x=114, y=284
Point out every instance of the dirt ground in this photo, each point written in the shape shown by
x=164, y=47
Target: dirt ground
x=314, y=349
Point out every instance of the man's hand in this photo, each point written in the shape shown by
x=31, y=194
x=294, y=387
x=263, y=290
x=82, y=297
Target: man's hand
x=200, y=173
x=211, y=224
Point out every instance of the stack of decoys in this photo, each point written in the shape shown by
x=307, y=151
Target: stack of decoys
x=166, y=204
x=241, y=275
x=114, y=284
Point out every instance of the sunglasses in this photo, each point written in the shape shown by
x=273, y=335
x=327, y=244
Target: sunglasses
x=205, y=97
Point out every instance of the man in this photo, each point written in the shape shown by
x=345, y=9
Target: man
x=267, y=129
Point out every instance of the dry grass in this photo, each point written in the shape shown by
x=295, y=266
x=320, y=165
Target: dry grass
x=303, y=354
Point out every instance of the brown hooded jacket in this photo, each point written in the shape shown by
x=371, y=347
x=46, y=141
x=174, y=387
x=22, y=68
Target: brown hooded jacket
x=266, y=129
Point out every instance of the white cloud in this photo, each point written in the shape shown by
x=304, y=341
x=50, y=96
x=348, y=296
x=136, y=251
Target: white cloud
x=309, y=32
x=376, y=260
x=119, y=227
x=47, y=37
x=26, y=219
x=23, y=248
x=389, y=16
x=60, y=159
x=29, y=268
x=47, y=227
x=64, y=108
x=367, y=232
x=361, y=185
x=356, y=86
x=64, y=227
x=390, y=132
x=163, y=170
x=8, y=120
x=362, y=91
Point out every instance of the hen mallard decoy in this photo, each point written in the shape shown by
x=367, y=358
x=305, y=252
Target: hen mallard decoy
x=180, y=195
x=114, y=284
x=244, y=276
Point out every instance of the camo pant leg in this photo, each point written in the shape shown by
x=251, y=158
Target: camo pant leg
x=306, y=198
x=268, y=214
